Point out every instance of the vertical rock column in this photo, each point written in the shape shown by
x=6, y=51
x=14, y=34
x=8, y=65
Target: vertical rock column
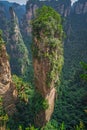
x=17, y=50
x=7, y=88
x=47, y=90
x=47, y=58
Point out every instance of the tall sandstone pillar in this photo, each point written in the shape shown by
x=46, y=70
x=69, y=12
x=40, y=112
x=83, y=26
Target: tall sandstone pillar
x=7, y=88
x=47, y=58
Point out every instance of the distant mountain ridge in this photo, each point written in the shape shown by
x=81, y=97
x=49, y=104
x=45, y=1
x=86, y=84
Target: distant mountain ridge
x=19, y=9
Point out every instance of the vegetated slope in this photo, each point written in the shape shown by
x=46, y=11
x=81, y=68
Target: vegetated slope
x=70, y=105
x=7, y=25
x=16, y=48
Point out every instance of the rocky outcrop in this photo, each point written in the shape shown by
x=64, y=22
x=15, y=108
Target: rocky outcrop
x=3, y=21
x=16, y=48
x=30, y=13
x=60, y=6
x=43, y=86
x=80, y=7
x=5, y=16
x=63, y=8
x=44, y=116
x=7, y=88
x=47, y=59
x=19, y=9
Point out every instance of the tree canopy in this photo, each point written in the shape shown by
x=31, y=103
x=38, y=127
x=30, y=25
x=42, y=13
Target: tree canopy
x=47, y=29
x=48, y=20
x=1, y=39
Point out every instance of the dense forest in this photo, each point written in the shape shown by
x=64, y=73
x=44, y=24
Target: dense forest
x=43, y=65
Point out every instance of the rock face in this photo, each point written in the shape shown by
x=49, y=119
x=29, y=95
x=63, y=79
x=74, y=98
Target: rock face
x=3, y=21
x=41, y=69
x=44, y=116
x=5, y=15
x=80, y=7
x=48, y=92
x=60, y=6
x=47, y=59
x=63, y=8
x=19, y=9
x=7, y=88
x=16, y=48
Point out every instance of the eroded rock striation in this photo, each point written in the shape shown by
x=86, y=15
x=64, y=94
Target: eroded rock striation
x=47, y=58
x=61, y=6
x=7, y=88
x=17, y=50
x=80, y=7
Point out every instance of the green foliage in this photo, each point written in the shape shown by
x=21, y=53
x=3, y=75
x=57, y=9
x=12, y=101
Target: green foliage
x=1, y=39
x=3, y=115
x=80, y=126
x=20, y=127
x=62, y=127
x=35, y=50
x=53, y=125
x=84, y=66
x=31, y=128
x=39, y=103
x=71, y=104
x=24, y=115
x=0, y=33
x=49, y=24
x=29, y=104
x=23, y=88
x=48, y=33
x=56, y=60
x=17, y=50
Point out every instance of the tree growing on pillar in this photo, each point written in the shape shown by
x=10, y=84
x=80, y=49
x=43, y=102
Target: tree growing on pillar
x=48, y=37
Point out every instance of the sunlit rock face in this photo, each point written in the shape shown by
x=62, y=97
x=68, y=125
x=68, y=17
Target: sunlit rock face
x=41, y=69
x=61, y=6
x=7, y=88
x=47, y=52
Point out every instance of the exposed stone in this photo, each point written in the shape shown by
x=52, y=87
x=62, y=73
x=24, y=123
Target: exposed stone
x=85, y=8
x=16, y=47
x=7, y=88
x=80, y=7
x=47, y=61
x=41, y=69
x=62, y=8
x=46, y=115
